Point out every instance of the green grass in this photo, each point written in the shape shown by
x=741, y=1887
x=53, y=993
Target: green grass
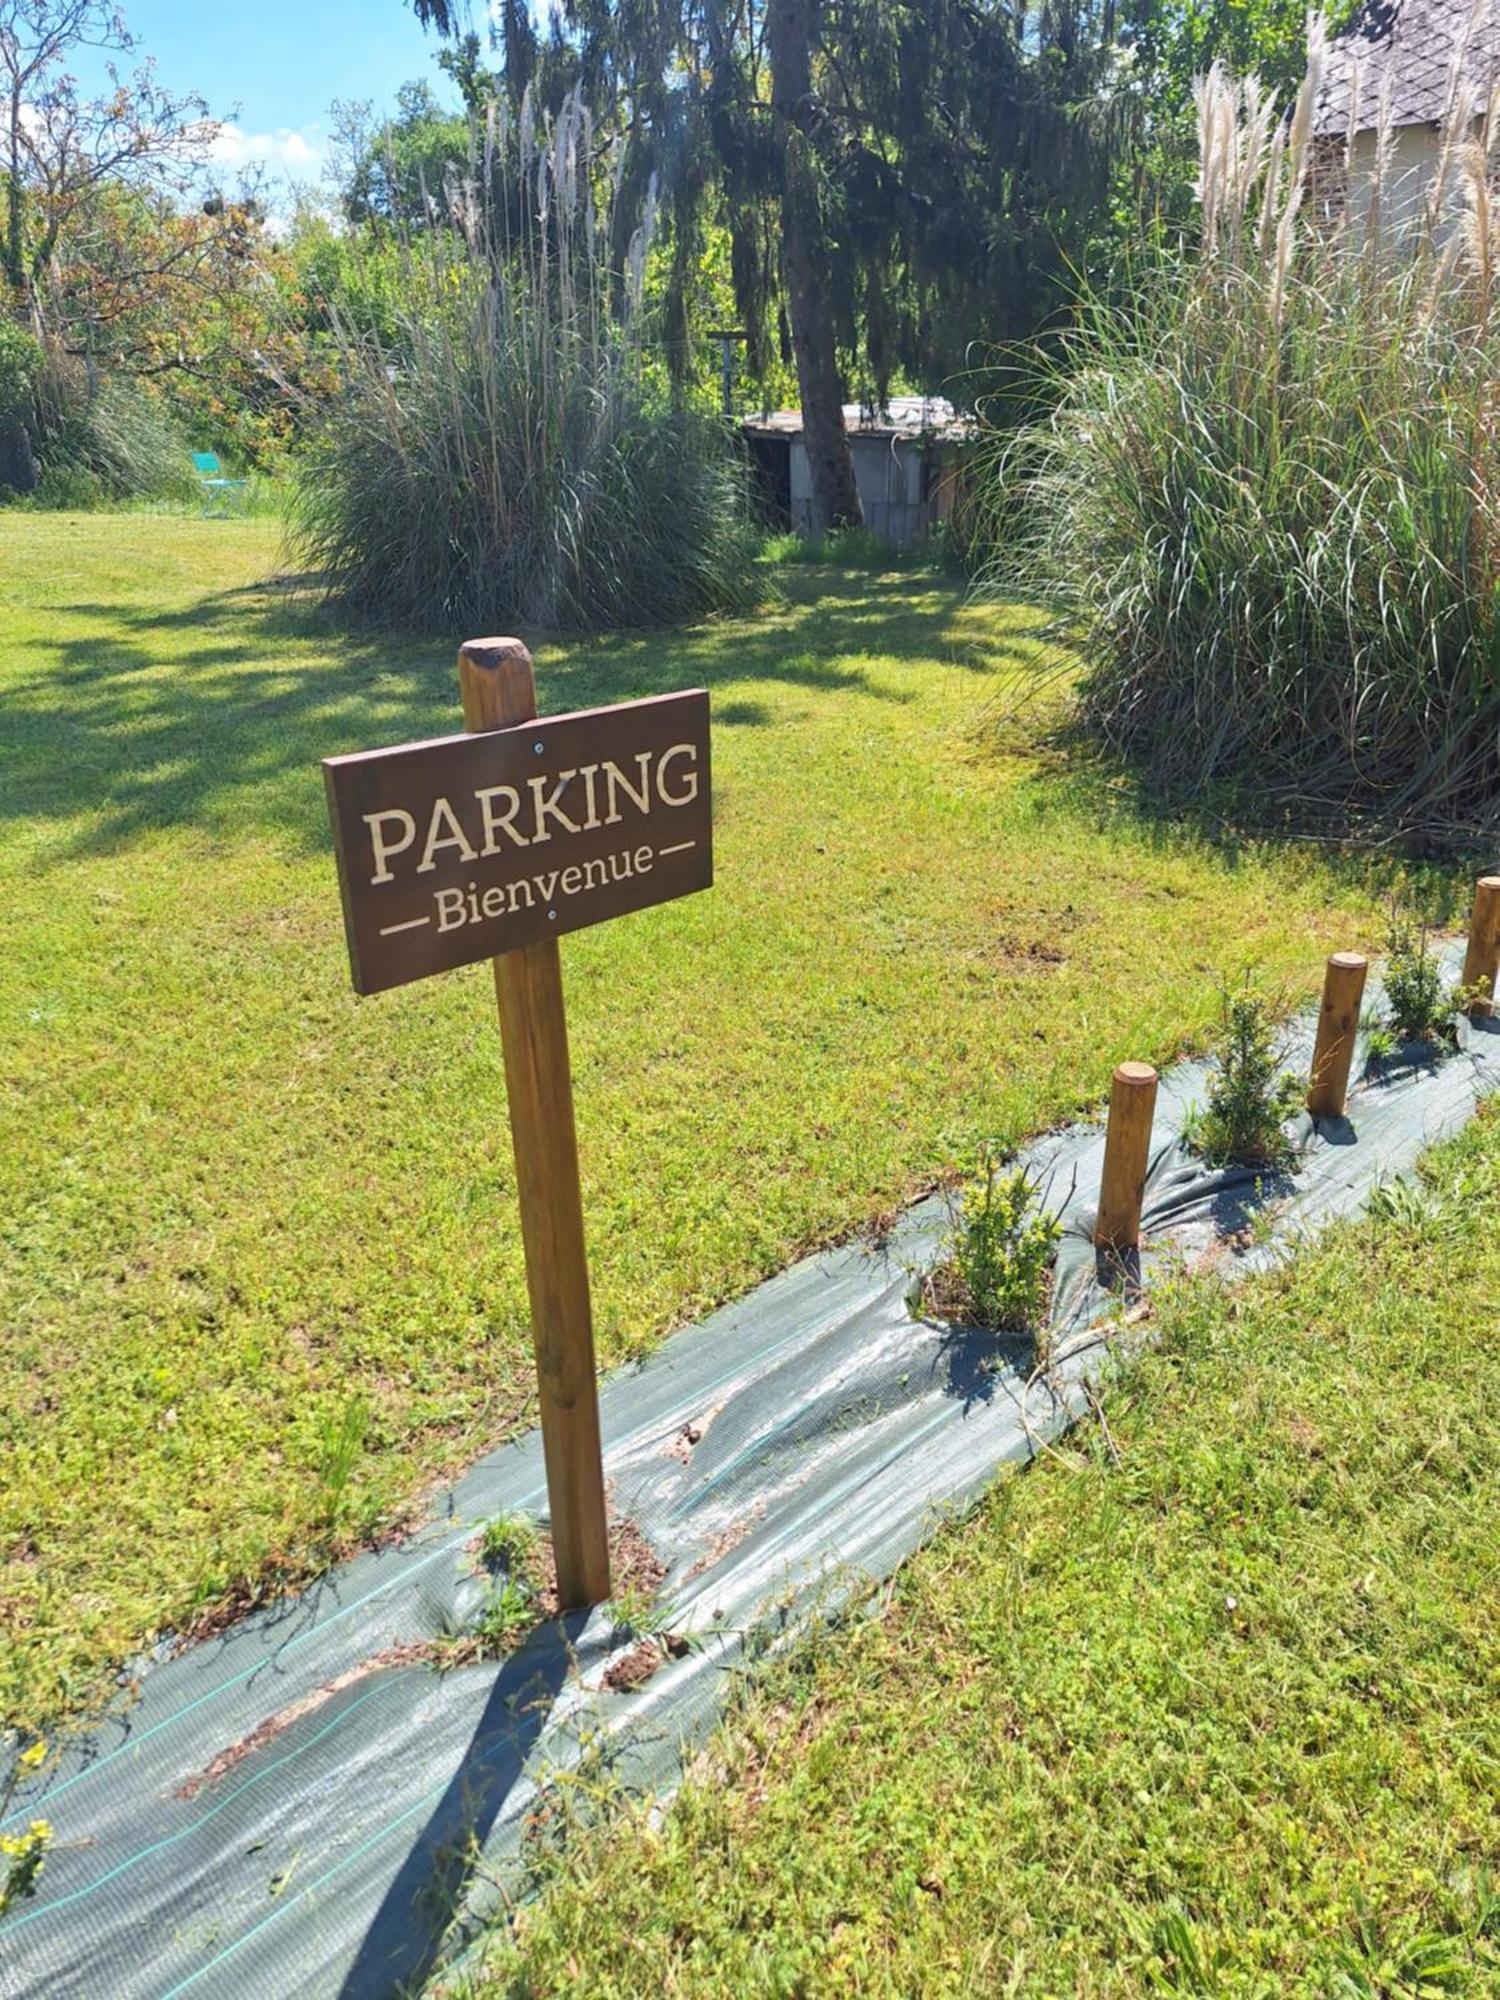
x=1220, y=1718
x=260, y=1277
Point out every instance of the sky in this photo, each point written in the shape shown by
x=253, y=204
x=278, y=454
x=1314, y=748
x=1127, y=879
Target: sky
x=271, y=68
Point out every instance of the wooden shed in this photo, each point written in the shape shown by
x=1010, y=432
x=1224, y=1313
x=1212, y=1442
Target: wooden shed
x=907, y=463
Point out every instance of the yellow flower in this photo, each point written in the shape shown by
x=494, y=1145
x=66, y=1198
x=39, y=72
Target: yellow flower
x=37, y=1754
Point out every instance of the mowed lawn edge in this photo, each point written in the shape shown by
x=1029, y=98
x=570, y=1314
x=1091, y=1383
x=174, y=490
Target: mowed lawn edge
x=261, y=1269
x=1206, y=1702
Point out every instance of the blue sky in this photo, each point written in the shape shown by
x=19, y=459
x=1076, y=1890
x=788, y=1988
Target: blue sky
x=282, y=62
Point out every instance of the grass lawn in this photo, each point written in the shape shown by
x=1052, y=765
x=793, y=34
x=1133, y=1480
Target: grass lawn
x=1221, y=1717
x=259, y=1268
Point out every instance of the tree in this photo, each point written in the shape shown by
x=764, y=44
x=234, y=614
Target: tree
x=805, y=263
x=61, y=149
x=394, y=172
x=902, y=182
x=65, y=158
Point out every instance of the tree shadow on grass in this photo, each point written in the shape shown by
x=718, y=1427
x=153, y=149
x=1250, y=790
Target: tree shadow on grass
x=1073, y=774
x=216, y=714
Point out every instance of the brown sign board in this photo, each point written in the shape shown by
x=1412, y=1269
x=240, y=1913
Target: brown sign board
x=468, y=846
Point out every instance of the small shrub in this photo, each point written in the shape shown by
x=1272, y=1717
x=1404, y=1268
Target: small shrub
x=637, y=1612
x=1249, y=1099
x=1421, y=1000
x=998, y=1255
x=115, y=441
x=69, y=489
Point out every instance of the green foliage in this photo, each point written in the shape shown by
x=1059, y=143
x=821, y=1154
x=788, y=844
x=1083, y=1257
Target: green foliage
x=959, y=158
x=505, y=1617
x=1249, y=1099
x=511, y=1542
x=1421, y=1000
x=20, y=364
x=23, y=1856
x=998, y=1253
x=840, y=548
x=196, y=1256
x=498, y=459
x=1200, y=1709
x=1268, y=502
x=342, y=1442
x=639, y=1612
x=114, y=442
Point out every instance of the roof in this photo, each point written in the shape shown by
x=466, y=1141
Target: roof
x=903, y=416
x=1417, y=48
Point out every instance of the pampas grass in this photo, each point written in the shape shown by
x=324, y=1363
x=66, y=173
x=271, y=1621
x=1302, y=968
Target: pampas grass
x=1267, y=493
x=498, y=456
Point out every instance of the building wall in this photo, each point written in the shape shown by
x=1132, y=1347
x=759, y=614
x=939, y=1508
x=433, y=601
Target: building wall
x=889, y=474
x=1413, y=161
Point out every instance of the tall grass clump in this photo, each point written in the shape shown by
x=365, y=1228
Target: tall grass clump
x=1266, y=495
x=500, y=453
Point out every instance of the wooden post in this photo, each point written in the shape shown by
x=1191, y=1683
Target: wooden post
x=499, y=691
x=1127, y=1153
x=1483, y=955
x=1338, y=1024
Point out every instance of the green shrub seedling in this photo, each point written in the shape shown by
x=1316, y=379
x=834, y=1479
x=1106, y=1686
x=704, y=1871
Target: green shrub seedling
x=997, y=1259
x=1421, y=1001
x=507, y=1614
x=1249, y=1099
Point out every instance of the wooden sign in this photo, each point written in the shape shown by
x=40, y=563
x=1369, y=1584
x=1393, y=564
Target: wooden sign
x=469, y=846
x=493, y=845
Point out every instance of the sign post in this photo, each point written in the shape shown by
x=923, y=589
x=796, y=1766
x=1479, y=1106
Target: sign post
x=490, y=845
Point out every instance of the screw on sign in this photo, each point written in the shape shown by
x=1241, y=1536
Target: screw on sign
x=493, y=844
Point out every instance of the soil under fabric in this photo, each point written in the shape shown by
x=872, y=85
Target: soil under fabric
x=780, y=1457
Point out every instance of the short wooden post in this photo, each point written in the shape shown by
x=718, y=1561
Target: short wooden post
x=1482, y=958
x=1338, y=1025
x=1127, y=1153
x=499, y=691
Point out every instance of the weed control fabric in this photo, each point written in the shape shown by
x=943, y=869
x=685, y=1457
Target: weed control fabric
x=305, y=1805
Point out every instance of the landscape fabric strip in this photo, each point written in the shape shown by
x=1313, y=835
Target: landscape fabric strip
x=298, y=1806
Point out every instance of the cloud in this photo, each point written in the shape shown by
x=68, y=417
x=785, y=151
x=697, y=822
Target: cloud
x=299, y=153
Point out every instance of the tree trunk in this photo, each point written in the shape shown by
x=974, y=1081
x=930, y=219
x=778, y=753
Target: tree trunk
x=18, y=467
x=804, y=264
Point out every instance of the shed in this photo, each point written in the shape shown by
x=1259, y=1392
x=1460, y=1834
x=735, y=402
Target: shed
x=907, y=465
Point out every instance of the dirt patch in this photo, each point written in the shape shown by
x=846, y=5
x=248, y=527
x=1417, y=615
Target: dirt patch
x=726, y=1543
x=633, y=1563
x=633, y=1669
x=275, y=1725
x=634, y=1566
x=1026, y=954
x=691, y=1434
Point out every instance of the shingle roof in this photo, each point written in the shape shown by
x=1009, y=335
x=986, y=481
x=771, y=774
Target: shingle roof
x=1416, y=44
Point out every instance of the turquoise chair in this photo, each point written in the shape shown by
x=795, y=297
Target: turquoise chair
x=219, y=493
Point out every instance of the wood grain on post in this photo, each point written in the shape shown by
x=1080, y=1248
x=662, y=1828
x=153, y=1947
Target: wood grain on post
x=1127, y=1153
x=1483, y=955
x=499, y=691
x=1338, y=1025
